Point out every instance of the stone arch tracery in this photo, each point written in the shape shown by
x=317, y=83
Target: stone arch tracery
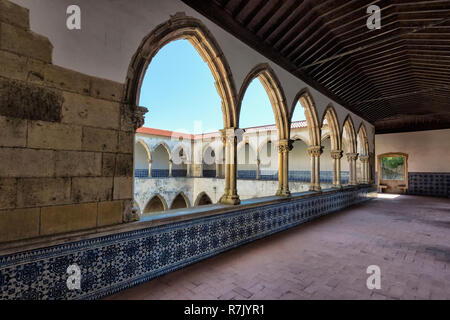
x=155, y=204
x=179, y=27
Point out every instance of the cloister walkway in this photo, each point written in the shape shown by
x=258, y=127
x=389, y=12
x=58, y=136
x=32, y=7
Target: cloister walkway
x=406, y=236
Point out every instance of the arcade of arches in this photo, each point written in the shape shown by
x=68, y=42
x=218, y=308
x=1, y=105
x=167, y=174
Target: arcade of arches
x=84, y=184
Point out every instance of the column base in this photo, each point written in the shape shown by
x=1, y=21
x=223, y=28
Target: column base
x=318, y=188
x=283, y=193
x=338, y=186
x=231, y=200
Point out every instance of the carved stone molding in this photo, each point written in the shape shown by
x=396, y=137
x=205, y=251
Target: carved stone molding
x=337, y=154
x=352, y=156
x=315, y=151
x=364, y=158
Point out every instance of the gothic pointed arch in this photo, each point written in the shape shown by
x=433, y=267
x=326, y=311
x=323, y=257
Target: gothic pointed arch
x=331, y=117
x=180, y=26
x=275, y=92
x=156, y=204
x=307, y=102
x=165, y=146
x=203, y=199
x=147, y=149
x=363, y=141
x=180, y=201
x=348, y=129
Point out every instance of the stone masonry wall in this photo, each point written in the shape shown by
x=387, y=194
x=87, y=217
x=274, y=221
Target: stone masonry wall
x=66, y=146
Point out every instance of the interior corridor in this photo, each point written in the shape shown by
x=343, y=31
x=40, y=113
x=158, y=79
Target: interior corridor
x=406, y=236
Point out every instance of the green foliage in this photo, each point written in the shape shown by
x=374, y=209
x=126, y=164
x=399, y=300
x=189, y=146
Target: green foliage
x=392, y=162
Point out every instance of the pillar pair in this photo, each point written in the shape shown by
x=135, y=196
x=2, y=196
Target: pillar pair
x=365, y=169
x=315, y=152
x=229, y=140
x=336, y=155
x=284, y=146
x=352, y=157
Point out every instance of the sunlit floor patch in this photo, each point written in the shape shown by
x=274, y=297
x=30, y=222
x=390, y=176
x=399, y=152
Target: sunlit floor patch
x=387, y=196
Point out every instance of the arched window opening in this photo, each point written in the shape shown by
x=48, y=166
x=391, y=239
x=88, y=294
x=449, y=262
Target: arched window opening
x=156, y=204
x=256, y=157
x=180, y=202
x=209, y=163
x=203, y=199
x=141, y=161
x=160, y=162
x=179, y=163
x=247, y=162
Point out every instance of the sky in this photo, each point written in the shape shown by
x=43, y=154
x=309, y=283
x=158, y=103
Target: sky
x=179, y=92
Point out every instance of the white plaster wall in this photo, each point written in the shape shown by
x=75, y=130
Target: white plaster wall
x=429, y=151
x=113, y=29
x=140, y=157
x=160, y=158
x=299, y=159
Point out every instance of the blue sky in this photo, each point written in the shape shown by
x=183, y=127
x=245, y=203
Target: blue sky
x=178, y=89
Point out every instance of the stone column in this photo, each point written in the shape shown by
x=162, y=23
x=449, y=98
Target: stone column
x=284, y=146
x=352, y=157
x=188, y=169
x=315, y=152
x=149, y=168
x=336, y=155
x=365, y=168
x=217, y=170
x=230, y=142
x=258, y=169
x=170, y=167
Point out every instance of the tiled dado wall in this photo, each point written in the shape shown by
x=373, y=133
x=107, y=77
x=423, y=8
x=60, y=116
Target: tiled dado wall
x=66, y=143
x=115, y=262
x=435, y=184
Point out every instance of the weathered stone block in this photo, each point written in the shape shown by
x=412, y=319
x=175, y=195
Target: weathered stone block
x=123, y=188
x=14, y=14
x=64, y=79
x=13, y=132
x=13, y=66
x=110, y=213
x=47, y=135
x=108, y=164
x=19, y=224
x=106, y=89
x=21, y=100
x=124, y=165
x=102, y=140
x=33, y=192
x=16, y=162
x=24, y=42
x=92, y=189
x=73, y=164
x=69, y=218
x=88, y=111
x=8, y=193
x=126, y=141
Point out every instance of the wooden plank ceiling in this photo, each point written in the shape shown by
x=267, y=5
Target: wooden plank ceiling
x=396, y=77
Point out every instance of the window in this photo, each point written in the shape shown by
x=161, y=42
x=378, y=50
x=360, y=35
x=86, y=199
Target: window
x=393, y=168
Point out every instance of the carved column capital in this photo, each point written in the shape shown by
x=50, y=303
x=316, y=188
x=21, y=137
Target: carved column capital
x=315, y=151
x=352, y=156
x=284, y=146
x=135, y=114
x=364, y=158
x=337, y=154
